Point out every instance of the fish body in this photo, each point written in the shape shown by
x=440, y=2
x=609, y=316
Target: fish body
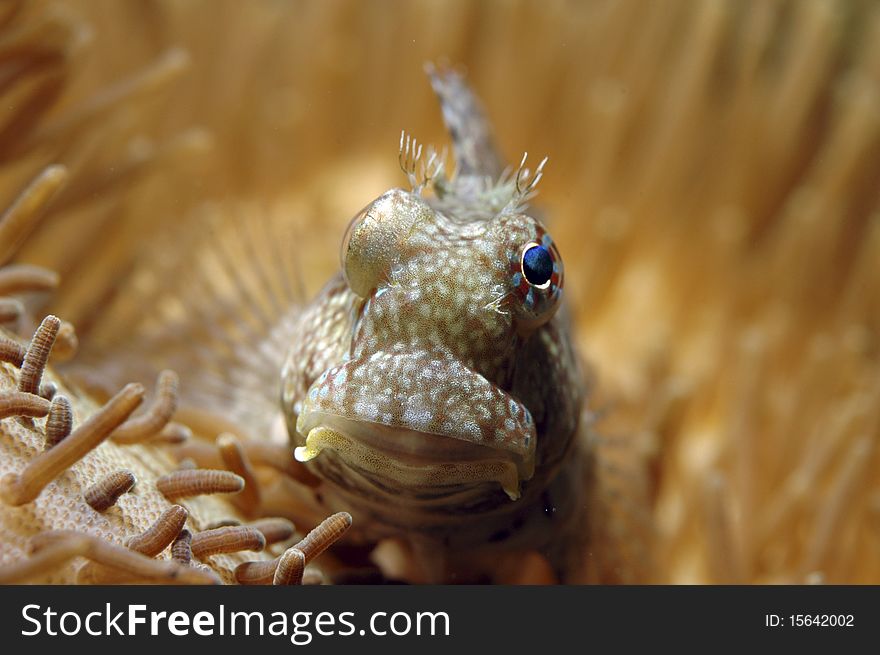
x=432, y=383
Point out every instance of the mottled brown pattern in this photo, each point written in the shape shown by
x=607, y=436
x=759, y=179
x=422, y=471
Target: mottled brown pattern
x=183, y=484
x=20, y=488
x=431, y=383
x=163, y=531
x=60, y=420
x=105, y=492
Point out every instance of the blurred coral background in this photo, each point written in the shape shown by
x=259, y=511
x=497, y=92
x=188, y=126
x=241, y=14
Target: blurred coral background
x=714, y=185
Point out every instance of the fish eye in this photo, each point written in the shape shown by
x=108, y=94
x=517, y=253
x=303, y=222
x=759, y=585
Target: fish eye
x=537, y=279
x=537, y=265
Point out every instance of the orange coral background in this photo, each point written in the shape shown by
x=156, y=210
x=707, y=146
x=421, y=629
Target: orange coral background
x=713, y=185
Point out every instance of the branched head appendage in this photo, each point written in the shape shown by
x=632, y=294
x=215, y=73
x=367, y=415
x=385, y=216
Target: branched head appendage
x=525, y=183
x=435, y=167
x=420, y=173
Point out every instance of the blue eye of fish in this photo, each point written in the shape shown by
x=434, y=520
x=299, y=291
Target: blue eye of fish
x=537, y=265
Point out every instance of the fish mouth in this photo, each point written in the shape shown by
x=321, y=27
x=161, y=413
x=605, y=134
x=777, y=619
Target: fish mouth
x=410, y=458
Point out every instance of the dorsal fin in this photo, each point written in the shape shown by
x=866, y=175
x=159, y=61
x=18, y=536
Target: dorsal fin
x=466, y=122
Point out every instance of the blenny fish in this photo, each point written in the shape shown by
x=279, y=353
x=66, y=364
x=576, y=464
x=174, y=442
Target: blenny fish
x=432, y=383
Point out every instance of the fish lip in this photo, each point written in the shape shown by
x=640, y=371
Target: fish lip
x=409, y=445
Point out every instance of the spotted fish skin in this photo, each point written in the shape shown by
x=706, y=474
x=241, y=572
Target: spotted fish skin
x=432, y=383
